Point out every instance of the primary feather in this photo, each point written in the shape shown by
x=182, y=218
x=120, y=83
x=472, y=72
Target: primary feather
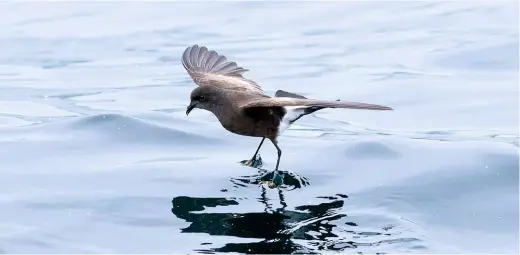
x=207, y=67
x=296, y=106
x=286, y=101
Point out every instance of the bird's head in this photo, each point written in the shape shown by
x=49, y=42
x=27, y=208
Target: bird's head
x=203, y=97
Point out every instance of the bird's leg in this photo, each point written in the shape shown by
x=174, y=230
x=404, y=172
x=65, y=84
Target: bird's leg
x=254, y=162
x=258, y=149
x=279, y=154
x=277, y=179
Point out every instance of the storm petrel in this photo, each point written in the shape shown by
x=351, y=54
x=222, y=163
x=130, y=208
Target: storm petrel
x=240, y=104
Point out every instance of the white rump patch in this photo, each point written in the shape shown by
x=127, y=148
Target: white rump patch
x=293, y=112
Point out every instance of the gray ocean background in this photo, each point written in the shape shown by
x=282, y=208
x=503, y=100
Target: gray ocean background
x=98, y=156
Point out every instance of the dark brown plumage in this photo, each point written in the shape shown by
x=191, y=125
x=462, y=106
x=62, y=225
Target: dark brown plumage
x=241, y=105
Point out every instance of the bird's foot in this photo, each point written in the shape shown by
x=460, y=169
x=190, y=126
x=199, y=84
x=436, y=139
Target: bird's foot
x=254, y=162
x=272, y=182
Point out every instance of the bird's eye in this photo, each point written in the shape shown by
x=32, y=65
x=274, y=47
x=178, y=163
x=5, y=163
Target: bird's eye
x=202, y=98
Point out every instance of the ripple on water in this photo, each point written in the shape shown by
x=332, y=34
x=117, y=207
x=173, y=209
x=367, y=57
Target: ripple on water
x=121, y=128
x=496, y=57
x=310, y=228
x=371, y=150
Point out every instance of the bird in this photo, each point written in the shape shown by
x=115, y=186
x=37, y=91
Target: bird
x=241, y=105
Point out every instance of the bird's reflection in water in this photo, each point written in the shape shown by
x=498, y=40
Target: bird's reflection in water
x=282, y=231
x=277, y=228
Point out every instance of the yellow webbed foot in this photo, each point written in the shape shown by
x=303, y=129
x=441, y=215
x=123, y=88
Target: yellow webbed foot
x=275, y=182
x=256, y=163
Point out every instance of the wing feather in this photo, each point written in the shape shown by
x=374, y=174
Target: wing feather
x=286, y=101
x=283, y=93
x=207, y=67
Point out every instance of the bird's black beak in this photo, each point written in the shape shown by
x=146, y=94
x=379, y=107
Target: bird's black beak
x=190, y=107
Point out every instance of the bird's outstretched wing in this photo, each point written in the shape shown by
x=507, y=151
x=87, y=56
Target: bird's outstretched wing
x=291, y=107
x=288, y=102
x=283, y=93
x=208, y=68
